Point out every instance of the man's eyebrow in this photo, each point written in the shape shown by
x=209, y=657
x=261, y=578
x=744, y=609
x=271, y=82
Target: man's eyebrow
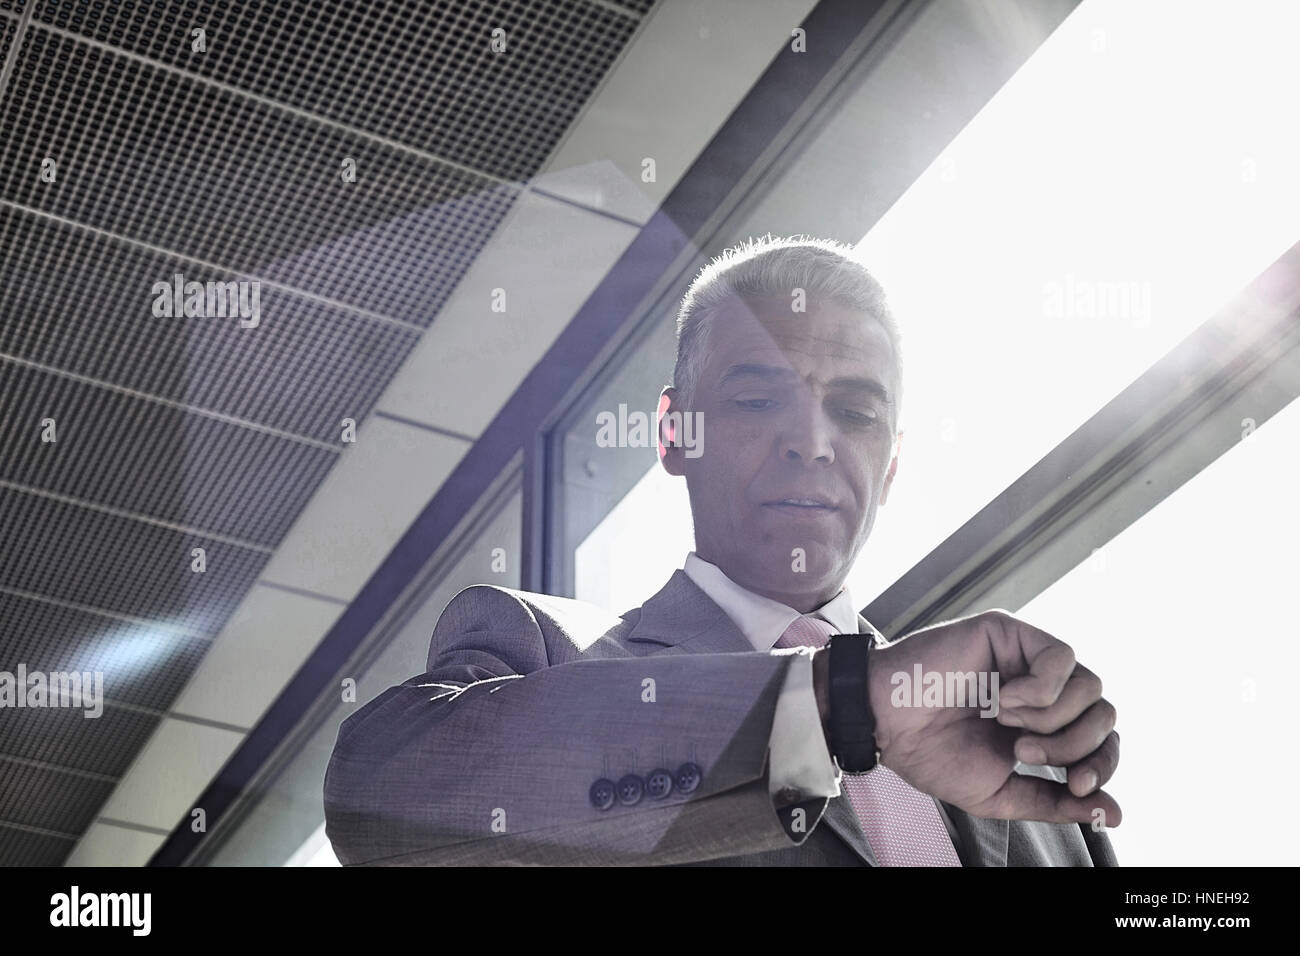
x=751, y=370
x=775, y=373
x=868, y=385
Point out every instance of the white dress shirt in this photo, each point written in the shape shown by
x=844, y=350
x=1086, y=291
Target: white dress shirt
x=798, y=757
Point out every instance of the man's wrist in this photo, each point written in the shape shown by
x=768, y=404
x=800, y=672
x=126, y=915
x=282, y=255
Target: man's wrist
x=877, y=687
x=852, y=722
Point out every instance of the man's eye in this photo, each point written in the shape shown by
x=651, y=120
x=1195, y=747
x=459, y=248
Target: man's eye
x=861, y=418
x=758, y=404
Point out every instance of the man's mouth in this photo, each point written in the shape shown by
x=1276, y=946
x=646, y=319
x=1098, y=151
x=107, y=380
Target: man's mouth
x=801, y=505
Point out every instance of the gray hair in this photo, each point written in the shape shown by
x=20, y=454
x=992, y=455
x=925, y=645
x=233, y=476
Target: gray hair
x=768, y=267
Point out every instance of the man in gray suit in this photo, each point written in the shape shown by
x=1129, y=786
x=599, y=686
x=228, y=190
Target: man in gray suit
x=701, y=727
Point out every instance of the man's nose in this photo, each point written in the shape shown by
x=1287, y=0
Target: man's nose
x=807, y=436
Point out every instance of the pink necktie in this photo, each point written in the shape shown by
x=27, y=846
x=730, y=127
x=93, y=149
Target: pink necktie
x=902, y=824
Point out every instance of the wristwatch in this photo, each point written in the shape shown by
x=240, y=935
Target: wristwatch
x=852, y=726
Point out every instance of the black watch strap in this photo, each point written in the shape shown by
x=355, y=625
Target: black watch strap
x=852, y=726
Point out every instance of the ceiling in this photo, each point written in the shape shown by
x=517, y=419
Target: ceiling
x=177, y=434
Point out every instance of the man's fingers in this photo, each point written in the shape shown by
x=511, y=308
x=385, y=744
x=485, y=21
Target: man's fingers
x=1050, y=668
x=1074, y=742
x=1096, y=769
x=1081, y=691
x=1039, y=664
x=1024, y=797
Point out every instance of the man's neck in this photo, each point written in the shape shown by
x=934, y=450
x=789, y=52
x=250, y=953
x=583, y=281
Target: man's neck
x=801, y=601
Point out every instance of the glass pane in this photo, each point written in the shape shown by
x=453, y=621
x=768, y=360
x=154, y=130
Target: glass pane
x=1187, y=616
x=1116, y=192
x=638, y=545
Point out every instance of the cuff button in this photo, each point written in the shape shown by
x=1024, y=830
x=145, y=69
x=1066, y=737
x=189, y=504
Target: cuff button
x=659, y=784
x=630, y=789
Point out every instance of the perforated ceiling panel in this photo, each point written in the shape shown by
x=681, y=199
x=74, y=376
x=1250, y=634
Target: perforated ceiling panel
x=128, y=156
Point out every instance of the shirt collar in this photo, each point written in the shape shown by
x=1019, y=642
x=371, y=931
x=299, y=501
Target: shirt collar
x=759, y=618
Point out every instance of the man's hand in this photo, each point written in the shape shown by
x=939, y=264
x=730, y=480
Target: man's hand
x=1045, y=700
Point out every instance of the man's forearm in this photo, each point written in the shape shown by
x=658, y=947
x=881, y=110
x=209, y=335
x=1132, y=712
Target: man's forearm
x=422, y=773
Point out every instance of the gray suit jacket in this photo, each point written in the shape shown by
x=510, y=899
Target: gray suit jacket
x=490, y=755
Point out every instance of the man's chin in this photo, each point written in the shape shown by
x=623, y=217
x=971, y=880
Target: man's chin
x=796, y=574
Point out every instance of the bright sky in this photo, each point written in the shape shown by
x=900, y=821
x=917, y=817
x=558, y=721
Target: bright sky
x=1147, y=150
x=1188, y=617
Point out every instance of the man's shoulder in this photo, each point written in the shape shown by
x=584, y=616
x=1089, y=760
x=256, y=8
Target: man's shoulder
x=490, y=606
x=496, y=596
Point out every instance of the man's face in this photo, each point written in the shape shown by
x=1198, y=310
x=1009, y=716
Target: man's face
x=798, y=445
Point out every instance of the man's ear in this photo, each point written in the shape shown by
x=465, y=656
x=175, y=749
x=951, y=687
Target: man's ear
x=669, y=422
x=893, y=468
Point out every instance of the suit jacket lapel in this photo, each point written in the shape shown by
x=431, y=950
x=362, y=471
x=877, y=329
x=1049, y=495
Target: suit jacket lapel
x=983, y=842
x=681, y=618
x=841, y=817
